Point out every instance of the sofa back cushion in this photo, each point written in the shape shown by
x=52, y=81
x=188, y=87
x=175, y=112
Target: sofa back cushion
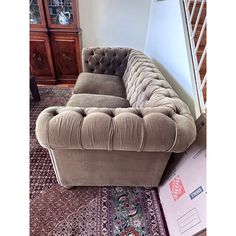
x=144, y=83
x=110, y=61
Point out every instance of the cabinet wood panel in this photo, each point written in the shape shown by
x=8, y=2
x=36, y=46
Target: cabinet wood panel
x=65, y=57
x=41, y=65
x=66, y=54
x=39, y=58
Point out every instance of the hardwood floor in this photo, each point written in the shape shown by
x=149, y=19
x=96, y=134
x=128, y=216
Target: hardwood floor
x=56, y=86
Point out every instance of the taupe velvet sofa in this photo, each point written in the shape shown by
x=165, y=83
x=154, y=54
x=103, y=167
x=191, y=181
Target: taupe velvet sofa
x=120, y=125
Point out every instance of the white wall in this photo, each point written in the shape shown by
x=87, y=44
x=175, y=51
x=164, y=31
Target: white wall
x=114, y=22
x=166, y=45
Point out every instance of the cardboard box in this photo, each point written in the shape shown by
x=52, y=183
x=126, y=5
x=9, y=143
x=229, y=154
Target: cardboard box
x=183, y=188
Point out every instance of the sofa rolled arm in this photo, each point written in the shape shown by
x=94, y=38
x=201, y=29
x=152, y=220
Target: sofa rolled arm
x=111, y=61
x=158, y=129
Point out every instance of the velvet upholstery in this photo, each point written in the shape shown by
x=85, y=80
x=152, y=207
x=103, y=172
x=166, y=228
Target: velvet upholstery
x=93, y=144
x=100, y=84
x=122, y=129
x=96, y=100
x=103, y=168
x=110, y=61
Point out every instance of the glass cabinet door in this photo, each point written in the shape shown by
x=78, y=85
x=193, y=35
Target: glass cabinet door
x=36, y=17
x=61, y=13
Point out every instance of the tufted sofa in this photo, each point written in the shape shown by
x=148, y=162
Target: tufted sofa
x=120, y=125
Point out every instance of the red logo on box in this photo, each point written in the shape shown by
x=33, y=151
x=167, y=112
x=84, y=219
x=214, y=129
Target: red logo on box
x=177, y=188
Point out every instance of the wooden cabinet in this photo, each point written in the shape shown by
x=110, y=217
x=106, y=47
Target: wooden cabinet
x=55, y=41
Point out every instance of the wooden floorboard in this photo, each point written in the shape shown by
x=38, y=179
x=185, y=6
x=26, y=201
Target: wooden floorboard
x=56, y=86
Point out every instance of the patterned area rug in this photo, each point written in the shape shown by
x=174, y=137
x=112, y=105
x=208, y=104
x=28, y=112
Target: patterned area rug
x=88, y=211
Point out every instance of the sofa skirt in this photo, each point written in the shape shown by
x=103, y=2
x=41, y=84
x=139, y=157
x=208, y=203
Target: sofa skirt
x=108, y=168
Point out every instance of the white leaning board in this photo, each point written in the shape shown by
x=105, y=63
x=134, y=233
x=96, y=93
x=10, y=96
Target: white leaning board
x=183, y=188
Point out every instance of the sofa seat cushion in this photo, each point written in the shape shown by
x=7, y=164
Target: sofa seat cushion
x=97, y=100
x=100, y=84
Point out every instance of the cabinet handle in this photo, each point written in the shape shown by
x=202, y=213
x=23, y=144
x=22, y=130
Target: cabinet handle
x=66, y=57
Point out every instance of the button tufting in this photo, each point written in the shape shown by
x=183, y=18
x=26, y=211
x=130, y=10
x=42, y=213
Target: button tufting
x=54, y=113
x=82, y=113
x=140, y=114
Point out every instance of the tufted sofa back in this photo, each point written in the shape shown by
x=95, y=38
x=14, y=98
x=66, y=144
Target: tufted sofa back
x=144, y=83
x=111, y=61
x=146, y=86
